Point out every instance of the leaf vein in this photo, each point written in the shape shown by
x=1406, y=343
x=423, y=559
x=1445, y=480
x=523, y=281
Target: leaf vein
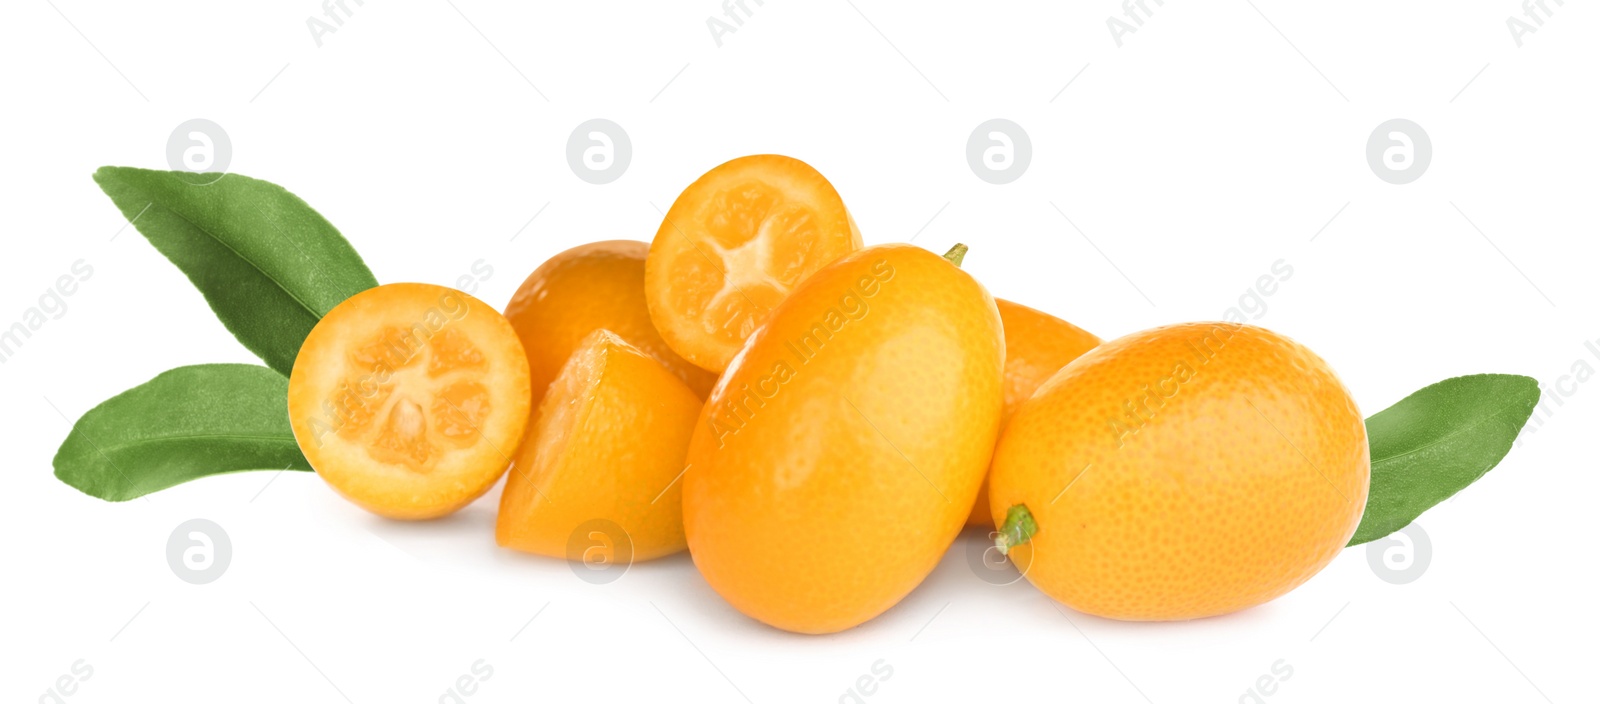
x=1446, y=438
x=281, y=287
x=202, y=436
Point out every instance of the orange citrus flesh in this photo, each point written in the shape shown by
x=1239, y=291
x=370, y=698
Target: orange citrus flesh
x=410, y=399
x=839, y=455
x=1183, y=472
x=608, y=444
x=732, y=247
x=586, y=288
x=1037, y=346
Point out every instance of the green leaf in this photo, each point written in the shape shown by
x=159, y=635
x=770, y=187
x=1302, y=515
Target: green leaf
x=1436, y=441
x=187, y=423
x=268, y=264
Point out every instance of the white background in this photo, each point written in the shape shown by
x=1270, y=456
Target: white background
x=1192, y=157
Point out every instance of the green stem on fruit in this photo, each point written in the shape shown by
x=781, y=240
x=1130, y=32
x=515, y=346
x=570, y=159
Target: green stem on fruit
x=956, y=254
x=1018, y=528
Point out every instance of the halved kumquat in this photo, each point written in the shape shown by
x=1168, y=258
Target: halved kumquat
x=732, y=247
x=410, y=399
x=607, y=450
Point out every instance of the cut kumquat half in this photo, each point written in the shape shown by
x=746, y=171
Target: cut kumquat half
x=410, y=399
x=732, y=247
x=606, y=453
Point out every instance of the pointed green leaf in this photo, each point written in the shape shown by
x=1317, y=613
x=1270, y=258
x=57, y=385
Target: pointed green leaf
x=269, y=265
x=1436, y=441
x=186, y=423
